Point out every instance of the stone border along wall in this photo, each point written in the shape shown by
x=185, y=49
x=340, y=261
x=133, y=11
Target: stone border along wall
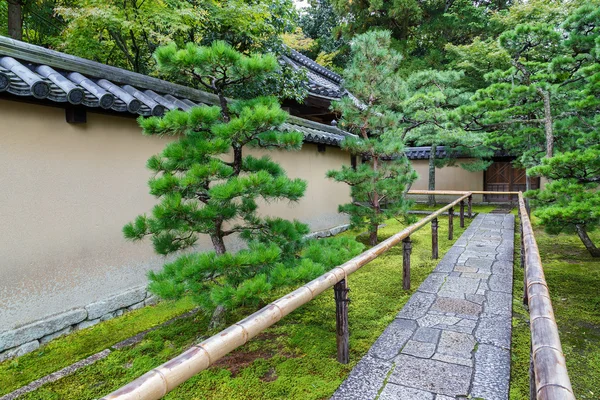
x=29, y=337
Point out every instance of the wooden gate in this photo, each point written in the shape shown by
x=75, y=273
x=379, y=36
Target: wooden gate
x=501, y=176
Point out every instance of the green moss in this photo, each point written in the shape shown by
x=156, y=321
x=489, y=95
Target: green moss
x=573, y=278
x=79, y=345
x=295, y=359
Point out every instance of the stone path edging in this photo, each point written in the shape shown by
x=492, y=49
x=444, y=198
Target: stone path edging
x=452, y=338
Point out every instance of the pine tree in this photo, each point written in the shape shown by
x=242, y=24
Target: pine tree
x=379, y=184
x=206, y=185
x=430, y=119
x=571, y=200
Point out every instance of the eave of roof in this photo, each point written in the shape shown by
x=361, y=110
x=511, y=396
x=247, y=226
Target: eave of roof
x=28, y=70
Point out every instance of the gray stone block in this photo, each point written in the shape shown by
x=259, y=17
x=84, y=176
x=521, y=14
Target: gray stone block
x=417, y=305
x=494, y=330
x=430, y=320
x=479, y=262
x=365, y=380
x=39, y=329
x=151, y=300
x=460, y=285
x=393, y=338
x=498, y=303
x=136, y=306
x=98, y=309
x=419, y=349
x=467, y=362
x=492, y=375
x=432, y=283
x=19, y=351
x=55, y=335
x=396, y=392
x=87, y=323
x=456, y=344
x=431, y=375
x=429, y=335
x=457, y=306
x=501, y=282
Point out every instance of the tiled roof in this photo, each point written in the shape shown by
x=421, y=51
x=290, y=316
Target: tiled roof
x=422, y=153
x=321, y=81
x=31, y=71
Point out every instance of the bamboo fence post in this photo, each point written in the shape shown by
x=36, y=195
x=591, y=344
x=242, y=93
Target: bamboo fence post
x=434, y=239
x=406, y=247
x=462, y=214
x=341, y=321
x=470, y=205
x=450, y=223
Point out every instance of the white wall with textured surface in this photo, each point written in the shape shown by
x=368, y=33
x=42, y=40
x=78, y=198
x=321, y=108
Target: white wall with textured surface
x=67, y=190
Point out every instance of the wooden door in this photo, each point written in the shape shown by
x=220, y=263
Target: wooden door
x=501, y=176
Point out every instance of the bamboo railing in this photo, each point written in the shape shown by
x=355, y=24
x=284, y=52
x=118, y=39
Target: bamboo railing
x=548, y=376
x=550, y=380
x=164, y=378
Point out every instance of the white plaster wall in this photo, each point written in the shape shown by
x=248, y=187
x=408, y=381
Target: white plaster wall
x=67, y=190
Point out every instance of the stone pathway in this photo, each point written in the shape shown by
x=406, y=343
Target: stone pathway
x=452, y=338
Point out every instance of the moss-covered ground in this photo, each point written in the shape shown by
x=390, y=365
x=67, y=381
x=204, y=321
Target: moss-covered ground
x=573, y=278
x=295, y=359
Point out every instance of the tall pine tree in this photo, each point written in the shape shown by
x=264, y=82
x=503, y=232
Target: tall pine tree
x=430, y=119
x=379, y=184
x=207, y=185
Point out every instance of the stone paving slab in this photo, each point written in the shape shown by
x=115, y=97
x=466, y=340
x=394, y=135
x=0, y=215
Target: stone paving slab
x=452, y=338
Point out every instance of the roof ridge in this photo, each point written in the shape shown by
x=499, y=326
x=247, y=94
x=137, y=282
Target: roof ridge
x=315, y=66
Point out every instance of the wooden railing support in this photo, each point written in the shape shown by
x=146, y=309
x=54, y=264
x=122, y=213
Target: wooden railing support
x=340, y=291
x=450, y=223
x=532, y=387
x=470, y=206
x=462, y=214
x=434, y=239
x=406, y=249
x=525, y=300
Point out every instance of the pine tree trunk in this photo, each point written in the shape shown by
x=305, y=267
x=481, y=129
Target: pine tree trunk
x=548, y=122
x=218, y=244
x=431, y=198
x=376, y=207
x=218, y=318
x=15, y=19
x=587, y=241
x=373, y=234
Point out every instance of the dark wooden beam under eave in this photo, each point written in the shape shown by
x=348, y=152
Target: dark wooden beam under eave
x=76, y=115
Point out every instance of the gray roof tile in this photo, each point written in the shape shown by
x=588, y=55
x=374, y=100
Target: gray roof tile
x=32, y=71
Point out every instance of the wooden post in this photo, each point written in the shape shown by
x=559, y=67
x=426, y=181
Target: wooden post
x=434, y=239
x=450, y=223
x=341, y=321
x=525, y=300
x=462, y=213
x=406, y=247
x=470, y=201
x=532, y=386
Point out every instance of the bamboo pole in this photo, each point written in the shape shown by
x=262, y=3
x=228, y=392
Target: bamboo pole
x=549, y=368
x=462, y=214
x=158, y=382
